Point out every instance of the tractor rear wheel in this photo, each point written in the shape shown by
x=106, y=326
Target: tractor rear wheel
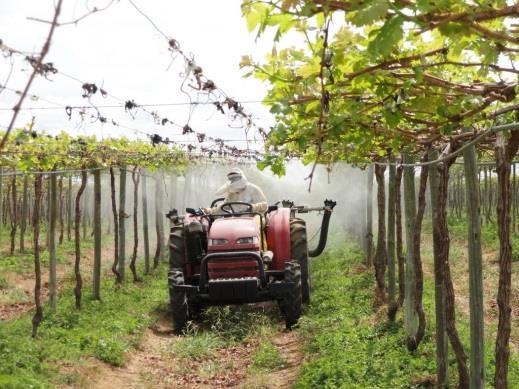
x=177, y=247
x=290, y=304
x=299, y=250
x=178, y=300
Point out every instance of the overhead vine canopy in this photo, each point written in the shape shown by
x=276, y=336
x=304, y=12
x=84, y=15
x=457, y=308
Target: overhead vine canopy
x=27, y=150
x=367, y=77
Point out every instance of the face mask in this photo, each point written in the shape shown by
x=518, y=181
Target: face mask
x=234, y=178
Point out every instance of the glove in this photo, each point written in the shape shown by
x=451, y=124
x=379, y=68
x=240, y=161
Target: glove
x=260, y=207
x=208, y=211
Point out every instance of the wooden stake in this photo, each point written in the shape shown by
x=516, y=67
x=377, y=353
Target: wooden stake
x=122, y=219
x=52, y=240
x=369, y=217
x=97, y=235
x=145, y=229
x=410, y=315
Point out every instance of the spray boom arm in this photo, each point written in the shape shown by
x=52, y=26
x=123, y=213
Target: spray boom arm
x=327, y=213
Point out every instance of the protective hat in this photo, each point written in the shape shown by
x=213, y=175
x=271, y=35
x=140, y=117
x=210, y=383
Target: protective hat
x=238, y=182
x=235, y=172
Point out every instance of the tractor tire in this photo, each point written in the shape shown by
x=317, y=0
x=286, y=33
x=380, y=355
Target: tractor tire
x=299, y=250
x=291, y=302
x=177, y=247
x=178, y=300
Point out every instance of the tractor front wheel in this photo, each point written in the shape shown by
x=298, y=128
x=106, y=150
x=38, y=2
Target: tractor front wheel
x=178, y=300
x=290, y=304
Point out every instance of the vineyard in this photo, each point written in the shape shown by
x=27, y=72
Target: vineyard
x=367, y=232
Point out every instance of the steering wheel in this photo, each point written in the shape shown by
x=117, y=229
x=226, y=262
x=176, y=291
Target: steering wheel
x=227, y=207
x=216, y=201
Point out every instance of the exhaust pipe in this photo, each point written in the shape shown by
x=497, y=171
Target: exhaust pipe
x=328, y=208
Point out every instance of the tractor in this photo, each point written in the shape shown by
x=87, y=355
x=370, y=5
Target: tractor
x=239, y=256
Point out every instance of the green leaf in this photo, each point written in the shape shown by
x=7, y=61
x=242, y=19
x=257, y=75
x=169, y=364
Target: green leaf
x=387, y=37
x=447, y=129
x=308, y=69
x=441, y=110
x=253, y=19
x=377, y=10
x=320, y=19
x=392, y=118
x=312, y=106
x=418, y=72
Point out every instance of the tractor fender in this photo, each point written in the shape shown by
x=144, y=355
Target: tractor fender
x=278, y=237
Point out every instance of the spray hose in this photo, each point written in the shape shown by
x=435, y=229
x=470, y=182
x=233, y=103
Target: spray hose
x=328, y=209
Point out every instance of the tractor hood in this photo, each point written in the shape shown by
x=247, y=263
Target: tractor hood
x=234, y=233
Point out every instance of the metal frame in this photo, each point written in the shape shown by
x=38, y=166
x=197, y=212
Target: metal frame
x=235, y=254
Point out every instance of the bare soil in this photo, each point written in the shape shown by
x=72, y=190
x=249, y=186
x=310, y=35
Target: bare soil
x=17, y=298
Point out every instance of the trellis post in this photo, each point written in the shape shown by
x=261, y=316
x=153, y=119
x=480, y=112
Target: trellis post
x=439, y=285
x=53, y=203
x=122, y=219
x=477, y=349
x=410, y=316
x=97, y=235
x=369, y=217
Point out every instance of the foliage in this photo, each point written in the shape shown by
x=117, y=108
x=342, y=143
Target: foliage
x=28, y=151
x=391, y=74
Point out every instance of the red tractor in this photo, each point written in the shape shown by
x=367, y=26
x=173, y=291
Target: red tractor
x=222, y=259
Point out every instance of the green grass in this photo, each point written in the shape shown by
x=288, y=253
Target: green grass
x=350, y=345
x=267, y=357
x=198, y=345
x=104, y=330
x=23, y=263
x=345, y=348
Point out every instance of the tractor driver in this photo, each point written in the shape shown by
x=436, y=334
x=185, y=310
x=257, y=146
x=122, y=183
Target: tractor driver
x=238, y=188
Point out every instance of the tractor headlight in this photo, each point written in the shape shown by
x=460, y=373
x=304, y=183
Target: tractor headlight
x=217, y=242
x=249, y=240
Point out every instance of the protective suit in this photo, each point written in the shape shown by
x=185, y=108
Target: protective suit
x=238, y=188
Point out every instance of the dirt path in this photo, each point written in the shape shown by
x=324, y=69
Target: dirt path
x=155, y=365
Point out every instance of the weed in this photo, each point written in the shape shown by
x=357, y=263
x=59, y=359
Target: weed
x=267, y=357
x=198, y=346
x=110, y=350
x=235, y=324
x=3, y=282
x=13, y=295
x=209, y=369
x=345, y=348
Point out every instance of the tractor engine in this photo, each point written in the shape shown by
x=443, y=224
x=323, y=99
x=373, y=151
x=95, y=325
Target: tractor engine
x=228, y=236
